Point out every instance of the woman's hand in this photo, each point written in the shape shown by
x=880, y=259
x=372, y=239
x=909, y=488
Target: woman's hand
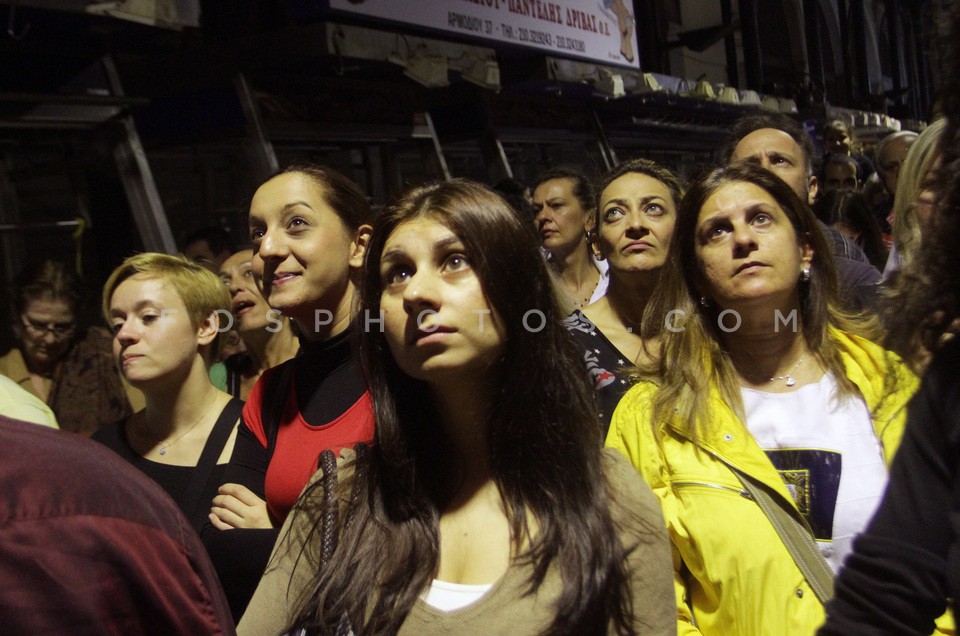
x=238, y=507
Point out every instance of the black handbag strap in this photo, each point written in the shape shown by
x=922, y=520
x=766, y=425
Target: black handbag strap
x=209, y=456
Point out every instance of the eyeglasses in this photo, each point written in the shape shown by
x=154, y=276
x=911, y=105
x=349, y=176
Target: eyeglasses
x=57, y=329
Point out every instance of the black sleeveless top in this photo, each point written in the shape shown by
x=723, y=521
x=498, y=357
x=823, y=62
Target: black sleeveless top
x=193, y=499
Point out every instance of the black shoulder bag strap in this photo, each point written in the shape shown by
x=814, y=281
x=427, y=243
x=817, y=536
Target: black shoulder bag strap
x=796, y=536
x=208, y=458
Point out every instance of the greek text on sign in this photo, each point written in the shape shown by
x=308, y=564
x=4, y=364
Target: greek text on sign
x=599, y=30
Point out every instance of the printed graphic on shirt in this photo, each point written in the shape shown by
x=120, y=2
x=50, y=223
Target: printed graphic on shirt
x=576, y=323
x=812, y=477
x=600, y=376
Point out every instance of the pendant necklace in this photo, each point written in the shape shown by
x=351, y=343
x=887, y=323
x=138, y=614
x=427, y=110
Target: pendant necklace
x=165, y=445
x=788, y=377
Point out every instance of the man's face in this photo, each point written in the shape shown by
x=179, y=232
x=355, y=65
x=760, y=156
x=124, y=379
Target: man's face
x=776, y=151
x=200, y=252
x=840, y=176
x=894, y=154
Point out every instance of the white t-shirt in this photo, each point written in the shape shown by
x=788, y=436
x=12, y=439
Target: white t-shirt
x=448, y=597
x=827, y=454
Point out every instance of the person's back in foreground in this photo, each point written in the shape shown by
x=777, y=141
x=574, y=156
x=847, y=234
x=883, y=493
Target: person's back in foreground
x=89, y=545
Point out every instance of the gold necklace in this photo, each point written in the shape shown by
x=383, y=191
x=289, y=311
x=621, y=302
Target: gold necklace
x=586, y=300
x=165, y=445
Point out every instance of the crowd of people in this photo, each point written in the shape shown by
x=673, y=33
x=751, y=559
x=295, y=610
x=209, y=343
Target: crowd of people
x=622, y=404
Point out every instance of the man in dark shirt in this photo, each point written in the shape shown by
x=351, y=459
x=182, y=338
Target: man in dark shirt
x=89, y=545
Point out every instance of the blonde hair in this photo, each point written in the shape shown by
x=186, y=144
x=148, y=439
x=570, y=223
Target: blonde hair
x=921, y=157
x=201, y=291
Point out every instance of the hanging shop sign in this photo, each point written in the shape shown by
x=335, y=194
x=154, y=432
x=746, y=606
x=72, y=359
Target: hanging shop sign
x=596, y=30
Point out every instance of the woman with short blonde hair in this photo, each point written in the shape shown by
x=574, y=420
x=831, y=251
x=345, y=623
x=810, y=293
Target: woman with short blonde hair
x=165, y=314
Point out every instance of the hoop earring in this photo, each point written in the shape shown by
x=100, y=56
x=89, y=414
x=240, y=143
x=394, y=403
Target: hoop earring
x=593, y=247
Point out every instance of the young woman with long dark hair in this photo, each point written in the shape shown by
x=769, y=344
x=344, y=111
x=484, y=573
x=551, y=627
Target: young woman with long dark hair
x=485, y=504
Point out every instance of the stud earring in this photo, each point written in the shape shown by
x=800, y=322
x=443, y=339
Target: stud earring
x=704, y=302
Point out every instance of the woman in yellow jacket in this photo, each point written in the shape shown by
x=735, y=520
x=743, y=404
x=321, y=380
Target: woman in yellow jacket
x=757, y=376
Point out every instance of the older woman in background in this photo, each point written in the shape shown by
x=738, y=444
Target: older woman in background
x=563, y=202
x=267, y=335
x=761, y=391
x=889, y=156
x=64, y=364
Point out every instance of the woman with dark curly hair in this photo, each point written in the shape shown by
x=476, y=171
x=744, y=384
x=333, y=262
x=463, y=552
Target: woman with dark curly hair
x=634, y=216
x=485, y=505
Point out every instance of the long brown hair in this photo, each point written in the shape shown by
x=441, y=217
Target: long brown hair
x=694, y=338
x=388, y=548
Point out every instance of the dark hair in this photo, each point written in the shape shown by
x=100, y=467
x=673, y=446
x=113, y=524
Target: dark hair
x=639, y=166
x=926, y=296
x=679, y=368
x=343, y=196
x=48, y=280
x=841, y=126
x=400, y=488
x=216, y=237
x=851, y=209
x=778, y=121
x=509, y=185
x=838, y=159
x=513, y=193
x=582, y=186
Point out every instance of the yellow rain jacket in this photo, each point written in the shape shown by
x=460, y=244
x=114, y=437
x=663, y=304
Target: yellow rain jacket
x=732, y=573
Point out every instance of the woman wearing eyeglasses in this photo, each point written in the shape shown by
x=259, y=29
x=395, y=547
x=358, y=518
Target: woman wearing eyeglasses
x=65, y=365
